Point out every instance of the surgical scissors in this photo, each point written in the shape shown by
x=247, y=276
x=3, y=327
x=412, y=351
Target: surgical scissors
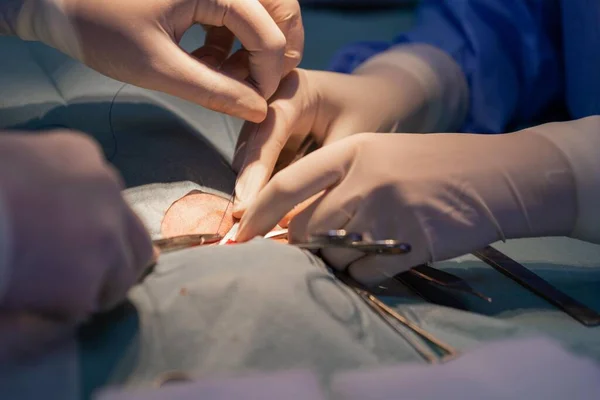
x=340, y=238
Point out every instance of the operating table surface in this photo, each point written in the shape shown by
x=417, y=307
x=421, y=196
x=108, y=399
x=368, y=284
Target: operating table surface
x=153, y=138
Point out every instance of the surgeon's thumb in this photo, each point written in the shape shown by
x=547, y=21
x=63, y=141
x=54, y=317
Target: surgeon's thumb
x=180, y=74
x=251, y=181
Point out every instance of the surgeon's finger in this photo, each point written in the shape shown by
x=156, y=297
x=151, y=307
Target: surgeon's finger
x=257, y=167
x=282, y=116
x=333, y=210
x=329, y=212
x=374, y=269
x=250, y=22
x=287, y=218
x=288, y=120
x=341, y=258
x=217, y=46
x=318, y=171
x=287, y=15
x=261, y=153
x=180, y=74
x=294, y=109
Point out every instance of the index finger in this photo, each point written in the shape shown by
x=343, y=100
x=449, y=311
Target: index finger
x=261, y=37
x=316, y=172
x=287, y=14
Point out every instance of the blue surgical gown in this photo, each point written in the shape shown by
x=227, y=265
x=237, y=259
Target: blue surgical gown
x=523, y=59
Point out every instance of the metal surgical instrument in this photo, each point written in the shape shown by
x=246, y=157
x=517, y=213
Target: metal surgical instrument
x=341, y=238
x=233, y=194
x=351, y=240
x=184, y=241
x=538, y=285
x=444, y=279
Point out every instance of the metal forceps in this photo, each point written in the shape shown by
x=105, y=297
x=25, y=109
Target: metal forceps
x=184, y=241
x=351, y=240
x=343, y=239
x=393, y=318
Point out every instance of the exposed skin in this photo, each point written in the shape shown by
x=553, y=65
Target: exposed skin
x=199, y=212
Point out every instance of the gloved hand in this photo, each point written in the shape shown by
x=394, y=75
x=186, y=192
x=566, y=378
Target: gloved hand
x=136, y=41
x=24, y=335
x=445, y=194
x=73, y=246
x=327, y=105
x=399, y=91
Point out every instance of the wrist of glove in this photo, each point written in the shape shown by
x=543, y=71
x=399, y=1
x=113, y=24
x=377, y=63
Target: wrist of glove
x=431, y=81
x=578, y=142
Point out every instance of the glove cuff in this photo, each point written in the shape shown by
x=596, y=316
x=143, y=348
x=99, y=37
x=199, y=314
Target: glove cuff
x=579, y=142
x=5, y=248
x=440, y=77
x=47, y=21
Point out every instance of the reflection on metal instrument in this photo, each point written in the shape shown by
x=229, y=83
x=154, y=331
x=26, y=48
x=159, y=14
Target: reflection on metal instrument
x=352, y=240
x=394, y=319
x=445, y=280
x=184, y=241
x=537, y=285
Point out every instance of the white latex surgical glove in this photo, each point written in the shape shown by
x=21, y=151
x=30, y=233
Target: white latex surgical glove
x=136, y=41
x=403, y=90
x=445, y=194
x=70, y=245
